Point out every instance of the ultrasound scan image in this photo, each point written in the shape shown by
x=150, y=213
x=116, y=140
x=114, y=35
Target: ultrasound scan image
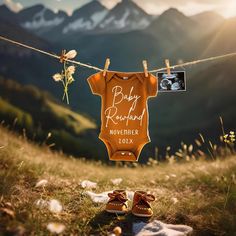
x=172, y=83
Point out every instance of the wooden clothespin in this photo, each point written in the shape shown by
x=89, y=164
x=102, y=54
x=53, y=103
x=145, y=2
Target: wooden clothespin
x=63, y=56
x=167, y=62
x=145, y=67
x=107, y=63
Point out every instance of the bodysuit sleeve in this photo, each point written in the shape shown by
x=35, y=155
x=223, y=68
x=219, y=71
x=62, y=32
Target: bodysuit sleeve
x=97, y=83
x=152, y=88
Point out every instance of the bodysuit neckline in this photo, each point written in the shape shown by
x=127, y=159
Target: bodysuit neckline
x=132, y=76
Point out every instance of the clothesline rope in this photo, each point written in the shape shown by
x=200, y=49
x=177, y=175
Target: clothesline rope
x=100, y=69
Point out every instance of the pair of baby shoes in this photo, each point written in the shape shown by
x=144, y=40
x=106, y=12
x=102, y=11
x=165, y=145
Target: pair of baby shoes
x=118, y=203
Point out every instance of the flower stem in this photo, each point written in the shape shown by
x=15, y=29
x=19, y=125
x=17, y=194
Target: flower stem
x=65, y=84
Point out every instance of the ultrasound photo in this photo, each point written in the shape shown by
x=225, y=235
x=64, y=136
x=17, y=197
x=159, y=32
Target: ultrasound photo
x=175, y=82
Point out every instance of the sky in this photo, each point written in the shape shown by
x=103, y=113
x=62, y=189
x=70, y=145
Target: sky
x=227, y=8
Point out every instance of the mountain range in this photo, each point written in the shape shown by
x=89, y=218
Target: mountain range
x=126, y=40
x=93, y=18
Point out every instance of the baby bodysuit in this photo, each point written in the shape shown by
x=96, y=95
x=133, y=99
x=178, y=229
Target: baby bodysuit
x=124, y=111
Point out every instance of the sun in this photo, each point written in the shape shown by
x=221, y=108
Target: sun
x=229, y=8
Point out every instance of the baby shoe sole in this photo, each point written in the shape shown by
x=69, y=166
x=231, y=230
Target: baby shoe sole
x=116, y=212
x=141, y=215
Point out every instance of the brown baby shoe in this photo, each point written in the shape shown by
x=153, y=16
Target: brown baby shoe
x=118, y=202
x=141, y=204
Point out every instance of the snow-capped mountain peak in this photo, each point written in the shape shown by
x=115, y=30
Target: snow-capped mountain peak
x=85, y=18
x=39, y=21
x=125, y=16
x=93, y=17
x=38, y=18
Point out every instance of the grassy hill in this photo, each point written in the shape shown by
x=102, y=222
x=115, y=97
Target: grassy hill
x=43, y=119
x=199, y=193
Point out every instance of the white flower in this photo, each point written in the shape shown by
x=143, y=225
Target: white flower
x=71, y=54
x=57, y=77
x=70, y=80
x=56, y=227
x=71, y=70
x=116, y=181
x=55, y=206
x=41, y=183
x=88, y=184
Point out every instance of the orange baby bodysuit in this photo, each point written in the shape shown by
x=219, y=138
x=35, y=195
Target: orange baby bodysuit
x=124, y=111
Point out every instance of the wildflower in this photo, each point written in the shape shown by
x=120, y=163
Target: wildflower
x=71, y=54
x=229, y=138
x=232, y=136
x=56, y=227
x=55, y=206
x=41, y=183
x=71, y=70
x=57, y=77
x=66, y=75
x=70, y=80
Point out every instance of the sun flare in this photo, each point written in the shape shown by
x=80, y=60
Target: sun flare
x=229, y=9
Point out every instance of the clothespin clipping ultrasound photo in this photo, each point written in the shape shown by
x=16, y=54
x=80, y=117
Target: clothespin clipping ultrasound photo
x=145, y=68
x=171, y=81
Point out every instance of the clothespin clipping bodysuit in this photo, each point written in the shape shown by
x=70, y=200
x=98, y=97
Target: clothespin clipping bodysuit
x=124, y=111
